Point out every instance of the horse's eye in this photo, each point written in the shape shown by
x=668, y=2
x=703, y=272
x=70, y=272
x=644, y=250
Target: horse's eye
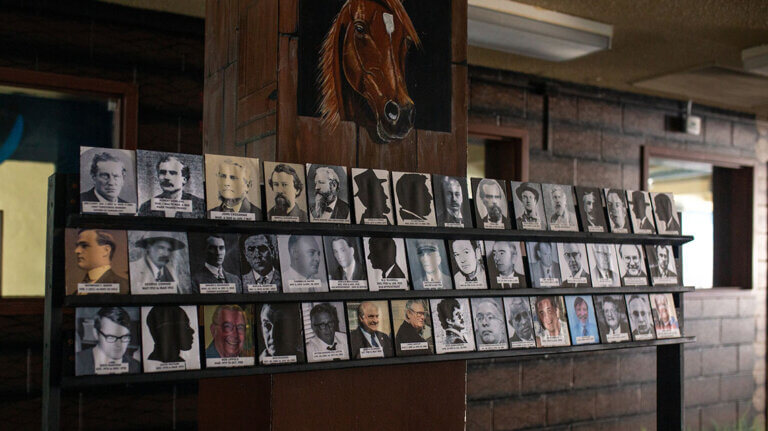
x=360, y=28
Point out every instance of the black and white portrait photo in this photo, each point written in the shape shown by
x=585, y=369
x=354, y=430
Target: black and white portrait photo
x=169, y=338
x=373, y=201
x=550, y=321
x=616, y=207
x=386, y=263
x=505, y=264
x=591, y=209
x=370, y=330
x=451, y=201
x=302, y=263
x=452, y=323
x=413, y=330
x=640, y=317
x=325, y=331
x=429, y=264
x=529, y=206
x=612, y=318
x=661, y=260
x=107, y=341
x=632, y=265
x=215, y=262
x=96, y=261
x=604, y=265
x=519, y=322
x=328, y=194
x=491, y=205
x=490, y=328
x=159, y=263
x=640, y=212
x=344, y=258
x=260, y=263
x=413, y=199
x=232, y=188
x=170, y=184
x=107, y=181
x=559, y=207
x=468, y=264
x=279, y=333
x=543, y=264
x=285, y=196
x=665, y=213
x=573, y=264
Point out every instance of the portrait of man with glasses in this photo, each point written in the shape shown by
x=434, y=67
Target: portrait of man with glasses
x=326, y=338
x=229, y=341
x=413, y=335
x=116, y=349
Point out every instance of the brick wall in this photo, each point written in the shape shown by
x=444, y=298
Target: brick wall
x=163, y=55
x=593, y=137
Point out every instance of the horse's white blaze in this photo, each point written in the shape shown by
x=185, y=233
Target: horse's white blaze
x=389, y=22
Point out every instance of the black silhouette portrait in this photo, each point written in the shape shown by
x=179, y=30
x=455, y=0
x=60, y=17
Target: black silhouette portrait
x=171, y=331
x=372, y=196
x=414, y=197
x=382, y=256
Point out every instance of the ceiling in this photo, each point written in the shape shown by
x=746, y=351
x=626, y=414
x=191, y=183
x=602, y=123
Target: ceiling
x=653, y=41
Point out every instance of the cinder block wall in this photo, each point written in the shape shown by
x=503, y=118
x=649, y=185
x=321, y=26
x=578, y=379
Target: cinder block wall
x=595, y=137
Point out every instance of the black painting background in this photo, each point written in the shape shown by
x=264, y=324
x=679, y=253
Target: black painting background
x=427, y=70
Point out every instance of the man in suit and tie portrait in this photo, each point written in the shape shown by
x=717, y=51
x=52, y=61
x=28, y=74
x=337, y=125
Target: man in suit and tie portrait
x=493, y=198
x=545, y=266
x=108, y=176
x=505, y=258
x=94, y=250
x=383, y=254
x=234, y=180
x=260, y=253
x=573, y=255
x=367, y=334
x=212, y=271
x=172, y=176
x=157, y=264
x=328, y=203
x=345, y=253
x=287, y=187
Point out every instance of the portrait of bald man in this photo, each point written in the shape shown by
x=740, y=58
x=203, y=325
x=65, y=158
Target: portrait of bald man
x=107, y=181
x=170, y=184
x=591, y=209
x=370, y=331
x=232, y=188
x=328, y=194
x=302, y=263
x=505, y=264
x=96, y=261
x=632, y=265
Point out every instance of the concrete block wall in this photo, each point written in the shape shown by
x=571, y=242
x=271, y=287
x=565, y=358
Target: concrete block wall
x=593, y=137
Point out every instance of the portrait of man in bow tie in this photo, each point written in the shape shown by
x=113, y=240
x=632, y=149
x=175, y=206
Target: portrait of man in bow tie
x=161, y=262
x=326, y=337
x=328, y=194
x=215, y=260
x=96, y=257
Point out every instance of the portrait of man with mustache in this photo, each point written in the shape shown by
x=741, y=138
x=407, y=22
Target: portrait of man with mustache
x=328, y=194
x=451, y=201
x=286, y=201
x=178, y=177
x=491, y=208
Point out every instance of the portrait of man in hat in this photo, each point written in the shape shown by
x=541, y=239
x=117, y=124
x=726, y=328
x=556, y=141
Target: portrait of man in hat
x=286, y=200
x=160, y=262
x=491, y=208
x=172, y=175
x=372, y=196
x=528, y=206
x=413, y=196
x=640, y=210
x=428, y=261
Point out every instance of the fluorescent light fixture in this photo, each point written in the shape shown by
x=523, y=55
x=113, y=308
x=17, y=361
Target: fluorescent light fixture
x=527, y=30
x=756, y=59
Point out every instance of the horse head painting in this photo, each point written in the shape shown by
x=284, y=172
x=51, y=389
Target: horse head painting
x=362, y=69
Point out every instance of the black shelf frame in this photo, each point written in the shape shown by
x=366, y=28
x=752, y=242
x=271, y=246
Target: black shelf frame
x=63, y=212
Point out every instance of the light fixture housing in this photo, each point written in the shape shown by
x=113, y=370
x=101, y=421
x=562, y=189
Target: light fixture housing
x=527, y=30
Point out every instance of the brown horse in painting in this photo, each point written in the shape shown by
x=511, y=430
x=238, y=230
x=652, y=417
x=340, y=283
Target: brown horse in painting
x=362, y=69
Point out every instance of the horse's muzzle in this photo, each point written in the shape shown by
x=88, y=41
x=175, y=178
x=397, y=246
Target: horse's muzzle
x=396, y=122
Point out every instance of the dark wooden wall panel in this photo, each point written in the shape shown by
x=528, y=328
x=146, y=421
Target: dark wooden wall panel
x=213, y=121
x=287, y=118
x=316, y=144
x=402, y=397
x=459, y=31
x=289, y=16
x=249, y=396
x=395, y=156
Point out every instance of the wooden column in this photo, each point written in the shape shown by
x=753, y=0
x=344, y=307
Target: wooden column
x=250, y=108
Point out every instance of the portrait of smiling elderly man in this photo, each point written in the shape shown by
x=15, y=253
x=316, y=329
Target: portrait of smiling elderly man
x=108, y=176
x=232, y=188
x=170, y=185
x=229, y=339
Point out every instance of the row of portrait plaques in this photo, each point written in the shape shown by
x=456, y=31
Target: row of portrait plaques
x=160, y=184
x=154, y=262
x=116, y=340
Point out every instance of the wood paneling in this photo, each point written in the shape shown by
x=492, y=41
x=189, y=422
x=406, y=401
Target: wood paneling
x=248, y=396
x=314, y=144
x=402, y=397
x=287, y=115
x=257, y=50
x=289, y=16
x=459, y=31
x=213, y=113
x=395, y=156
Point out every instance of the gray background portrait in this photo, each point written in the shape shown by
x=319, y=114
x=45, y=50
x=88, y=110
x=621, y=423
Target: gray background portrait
x=493, y=270
x=179, y=258
x=301, y=200
x=417, y=273
x=84, y=330
x=330, y=259
x=197, y=249
x=481, y=210
x=530, y=248
x=128, y=193
x=146, y=165
x=285, y=260
x=549, y=208
x=384, y=184
x=438, y=182
x=621, y=308
x=306, y=308
x=341, y=171
x=518, y=204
